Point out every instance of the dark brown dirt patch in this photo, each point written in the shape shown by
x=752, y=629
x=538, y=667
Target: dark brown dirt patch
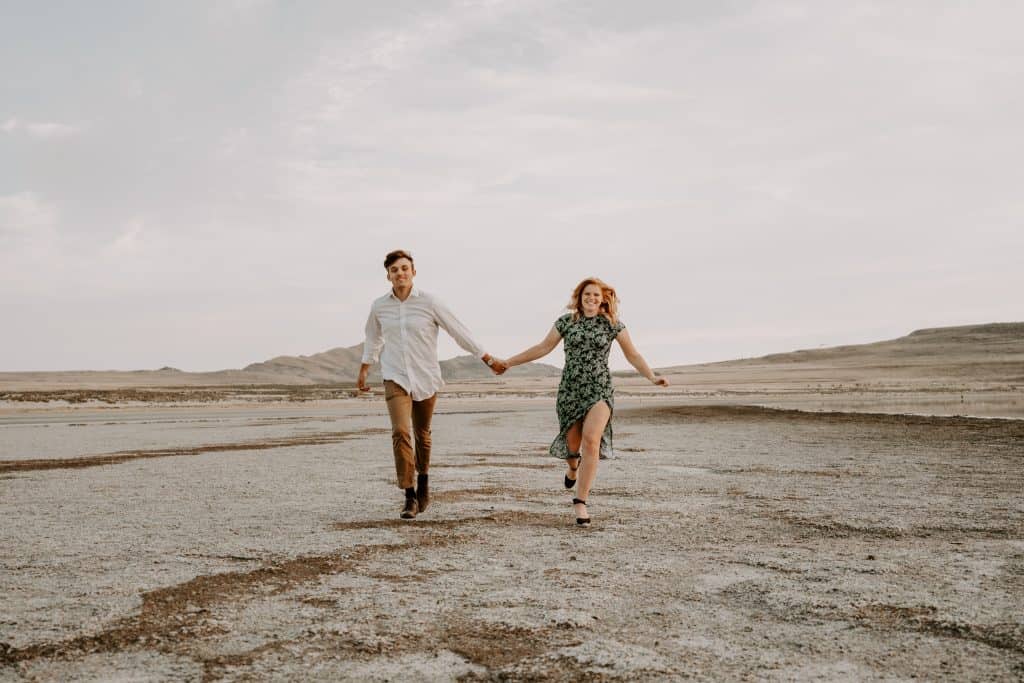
x=322, y=603
x=190, y=394
x=512, y=465
x=1010, y=429
x=509, y=518
x=496, y=493
x=835, y=529
x=321, y=438
x=495, y=645
x=171, y=618
x=835, y=474
x=1005, y=636
x=215, y=667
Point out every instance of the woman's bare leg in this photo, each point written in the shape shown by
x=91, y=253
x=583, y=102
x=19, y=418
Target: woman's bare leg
x=573, y=438
x=593, y=427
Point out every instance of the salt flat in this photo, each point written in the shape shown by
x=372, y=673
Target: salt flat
x=233, y=541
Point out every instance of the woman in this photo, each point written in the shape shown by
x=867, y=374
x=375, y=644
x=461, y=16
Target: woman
x=585, y=395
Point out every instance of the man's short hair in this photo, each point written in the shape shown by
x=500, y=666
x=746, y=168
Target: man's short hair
x=395, y=255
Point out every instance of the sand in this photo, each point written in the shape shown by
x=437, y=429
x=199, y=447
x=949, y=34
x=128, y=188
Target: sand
x=260, y=539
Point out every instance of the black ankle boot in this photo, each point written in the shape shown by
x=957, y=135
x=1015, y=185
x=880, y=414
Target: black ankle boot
x=422, y=492
x=411, y=506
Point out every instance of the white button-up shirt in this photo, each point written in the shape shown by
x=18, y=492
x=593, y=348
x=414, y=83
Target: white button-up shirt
x=407, y=332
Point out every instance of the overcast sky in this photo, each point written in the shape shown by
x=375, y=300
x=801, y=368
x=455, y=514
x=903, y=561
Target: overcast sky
x=208, y=184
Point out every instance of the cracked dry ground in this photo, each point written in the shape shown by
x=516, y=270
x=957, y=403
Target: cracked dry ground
x=729, y=543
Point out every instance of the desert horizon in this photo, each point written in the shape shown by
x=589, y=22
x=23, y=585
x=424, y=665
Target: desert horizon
x=974, y=370
x=341, y=363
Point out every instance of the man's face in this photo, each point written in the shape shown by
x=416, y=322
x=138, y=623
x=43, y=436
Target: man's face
x=401, y=273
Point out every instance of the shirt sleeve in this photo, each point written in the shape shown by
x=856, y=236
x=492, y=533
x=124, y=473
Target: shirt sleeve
x=616, y=328
x=374, y=340
x=562, y=324
x=454, y=327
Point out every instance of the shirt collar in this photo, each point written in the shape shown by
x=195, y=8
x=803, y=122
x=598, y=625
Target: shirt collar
x=413, y=292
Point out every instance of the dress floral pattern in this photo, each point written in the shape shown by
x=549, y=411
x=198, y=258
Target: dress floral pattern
x=585, y=378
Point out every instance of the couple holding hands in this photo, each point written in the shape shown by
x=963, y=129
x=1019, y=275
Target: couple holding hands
x=401, y=332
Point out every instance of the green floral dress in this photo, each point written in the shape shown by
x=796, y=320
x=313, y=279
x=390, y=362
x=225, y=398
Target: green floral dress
x=585, y=378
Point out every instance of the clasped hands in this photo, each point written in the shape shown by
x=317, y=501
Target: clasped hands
x=497, y=365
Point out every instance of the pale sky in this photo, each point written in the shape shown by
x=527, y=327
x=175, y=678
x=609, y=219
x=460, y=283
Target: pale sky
x=208, y=184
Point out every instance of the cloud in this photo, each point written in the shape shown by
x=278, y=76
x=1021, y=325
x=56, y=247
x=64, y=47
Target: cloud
x=28, y=242
x=42, y=130
x=24, y=215
x=128, y=241
x=420, y=97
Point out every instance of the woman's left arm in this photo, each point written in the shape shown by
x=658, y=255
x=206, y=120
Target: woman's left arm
x=636, y=360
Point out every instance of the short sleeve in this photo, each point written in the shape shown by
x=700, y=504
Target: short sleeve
x=616, y=328
x=562, y=324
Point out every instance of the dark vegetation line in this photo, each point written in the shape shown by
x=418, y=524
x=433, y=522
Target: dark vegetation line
x=322, y=438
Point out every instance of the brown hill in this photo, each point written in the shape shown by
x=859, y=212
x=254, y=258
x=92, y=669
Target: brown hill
x=992, y=352
x=992, y=342
x=335, y=366
x=987, y=353
x=328, y=367
x=342, y=365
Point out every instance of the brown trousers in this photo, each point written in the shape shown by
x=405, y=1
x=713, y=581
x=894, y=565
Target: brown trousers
x=404, y=410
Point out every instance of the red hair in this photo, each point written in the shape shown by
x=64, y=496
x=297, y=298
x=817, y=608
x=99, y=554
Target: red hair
x=609, y=305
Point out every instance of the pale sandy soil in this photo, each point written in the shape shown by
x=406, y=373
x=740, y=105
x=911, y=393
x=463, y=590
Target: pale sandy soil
x=253, y=540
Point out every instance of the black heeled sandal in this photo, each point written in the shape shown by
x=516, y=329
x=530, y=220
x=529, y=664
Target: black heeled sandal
x=581, y=521
x=569, y=483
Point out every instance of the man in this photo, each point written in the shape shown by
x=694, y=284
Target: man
x=404, y=323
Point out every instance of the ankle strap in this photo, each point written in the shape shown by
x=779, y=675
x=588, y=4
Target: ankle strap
x=577, y=501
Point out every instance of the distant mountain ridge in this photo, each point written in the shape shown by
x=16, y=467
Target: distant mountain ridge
x=335, y=366
x=990, y=339
x=342, y=365
x=993, y=351
x=989, y=352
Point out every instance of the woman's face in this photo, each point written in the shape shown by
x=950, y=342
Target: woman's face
x=591, y=298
